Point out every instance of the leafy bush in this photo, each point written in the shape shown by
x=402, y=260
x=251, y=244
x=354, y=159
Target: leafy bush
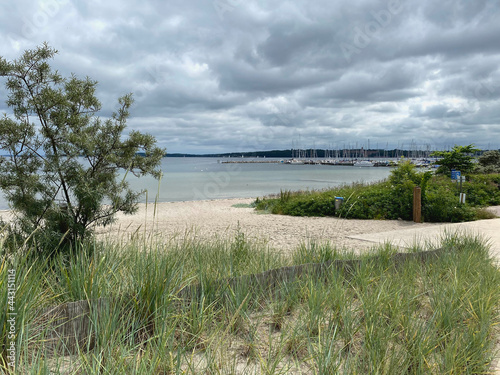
x=489, y=162
x=368, y=202
x=483, y=190
x=393, y=198
x=403, y=180
x=442, y=204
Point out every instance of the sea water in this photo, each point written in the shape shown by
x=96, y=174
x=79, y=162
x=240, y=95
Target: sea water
x=186, y=179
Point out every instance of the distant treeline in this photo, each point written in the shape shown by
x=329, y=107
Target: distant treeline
x=310, y=153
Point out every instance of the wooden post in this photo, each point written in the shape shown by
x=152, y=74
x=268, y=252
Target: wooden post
x=417, y=204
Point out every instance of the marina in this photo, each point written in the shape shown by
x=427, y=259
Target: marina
x=419, y=155
x=420, y=163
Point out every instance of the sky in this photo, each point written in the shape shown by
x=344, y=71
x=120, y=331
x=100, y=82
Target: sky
x=217, y=76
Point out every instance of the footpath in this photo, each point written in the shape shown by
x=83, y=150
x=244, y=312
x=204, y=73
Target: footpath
x=488, y=229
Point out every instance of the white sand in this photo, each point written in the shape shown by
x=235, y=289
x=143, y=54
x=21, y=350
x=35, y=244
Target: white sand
x=218, y=218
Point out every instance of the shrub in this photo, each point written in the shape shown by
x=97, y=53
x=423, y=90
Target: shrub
x=393, y=199
x=483, y=190
x=489, y=162
x=442, y=204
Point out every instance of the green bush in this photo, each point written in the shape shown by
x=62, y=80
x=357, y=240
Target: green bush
x=393, y=198
x=368, y=202
x=442, y=204
x=483, y=190
x=489, y=162
x=318, y=205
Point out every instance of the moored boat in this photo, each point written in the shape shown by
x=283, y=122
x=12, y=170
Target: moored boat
x=363, y=163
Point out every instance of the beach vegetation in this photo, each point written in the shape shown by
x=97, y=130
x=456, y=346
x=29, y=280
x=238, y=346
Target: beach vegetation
x=489, y=162
x=159, y=307
x=60, y=174
x=243, y=205
x=392, y=198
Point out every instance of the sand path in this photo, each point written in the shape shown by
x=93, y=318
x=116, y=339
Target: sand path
x=221, y=218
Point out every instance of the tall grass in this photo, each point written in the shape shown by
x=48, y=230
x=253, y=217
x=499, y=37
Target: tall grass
x=166, y=309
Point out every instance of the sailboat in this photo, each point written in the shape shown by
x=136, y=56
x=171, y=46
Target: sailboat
x=363, y=163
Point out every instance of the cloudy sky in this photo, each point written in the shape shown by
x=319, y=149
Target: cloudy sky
x=233, y=75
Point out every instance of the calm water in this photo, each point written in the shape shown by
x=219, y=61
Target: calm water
x=204, y=178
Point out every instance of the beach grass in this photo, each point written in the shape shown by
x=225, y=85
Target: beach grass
x=243, y=205
x=168, y=310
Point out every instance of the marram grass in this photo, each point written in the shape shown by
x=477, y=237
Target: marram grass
x=434, y=317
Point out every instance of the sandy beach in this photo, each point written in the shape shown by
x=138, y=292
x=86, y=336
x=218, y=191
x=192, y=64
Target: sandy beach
x=222, y=218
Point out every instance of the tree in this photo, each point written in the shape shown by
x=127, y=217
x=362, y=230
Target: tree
x=489, y=162
x=61, y=172
x=459, y=158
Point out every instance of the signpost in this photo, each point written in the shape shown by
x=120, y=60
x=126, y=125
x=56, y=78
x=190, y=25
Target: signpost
x=461, y=179
x=455, y=174
x=417, y=204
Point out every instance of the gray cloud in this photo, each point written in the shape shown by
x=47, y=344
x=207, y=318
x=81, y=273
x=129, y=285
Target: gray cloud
x=228, y=75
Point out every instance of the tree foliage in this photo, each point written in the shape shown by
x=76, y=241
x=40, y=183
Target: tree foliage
x=61, y=172
x=489, y=162
x=459, y=158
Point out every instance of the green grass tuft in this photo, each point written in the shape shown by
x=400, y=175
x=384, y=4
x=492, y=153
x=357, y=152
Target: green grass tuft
x=417, y=317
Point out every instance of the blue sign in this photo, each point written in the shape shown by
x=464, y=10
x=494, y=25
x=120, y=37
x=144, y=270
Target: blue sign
x=455, y=174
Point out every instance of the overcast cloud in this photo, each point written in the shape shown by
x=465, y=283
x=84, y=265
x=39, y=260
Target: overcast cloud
x=233, y=75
